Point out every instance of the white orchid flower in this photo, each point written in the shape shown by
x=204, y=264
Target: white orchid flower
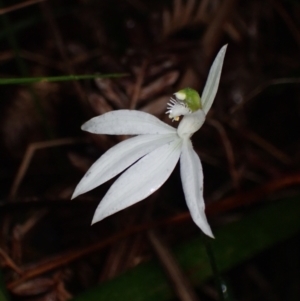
x=153, y=154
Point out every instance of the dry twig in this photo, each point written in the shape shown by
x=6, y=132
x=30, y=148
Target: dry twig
x=181, y=285
x=30, y=151
x=18, y=6
x=228, y=150
x=10, y=263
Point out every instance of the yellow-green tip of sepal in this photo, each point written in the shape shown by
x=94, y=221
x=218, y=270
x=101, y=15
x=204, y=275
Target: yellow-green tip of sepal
x=190, y=97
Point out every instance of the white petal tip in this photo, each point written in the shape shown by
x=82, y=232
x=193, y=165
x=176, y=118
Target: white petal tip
x=209, y=234
x=223, y=50
x=83, y=127
x=203, y=224
x=225, y=46
x=98, y=215
x=76, y=192
x=74, y=195
x=95, y=219
x=205, y=228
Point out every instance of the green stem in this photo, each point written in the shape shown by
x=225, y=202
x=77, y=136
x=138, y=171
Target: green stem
x=30, y=80
x=214, y=267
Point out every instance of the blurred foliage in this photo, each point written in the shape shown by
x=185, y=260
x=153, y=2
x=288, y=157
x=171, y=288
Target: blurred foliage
x=3, y=292
x=235, y=243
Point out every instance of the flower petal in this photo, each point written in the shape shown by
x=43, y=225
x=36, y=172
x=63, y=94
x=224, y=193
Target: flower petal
x=192, y=183
x=140, y=180
x=190, y=124
x=118, y=158
x=212, y=83
x=127, y=122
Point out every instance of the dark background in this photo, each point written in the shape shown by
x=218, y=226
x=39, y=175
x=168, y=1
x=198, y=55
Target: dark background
x=249, y=147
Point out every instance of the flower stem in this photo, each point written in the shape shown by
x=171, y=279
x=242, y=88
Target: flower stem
x=218, y=280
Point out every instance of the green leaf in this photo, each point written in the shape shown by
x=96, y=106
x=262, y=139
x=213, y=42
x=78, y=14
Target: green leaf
x=3, y=292
x=234, y=244
x=30, y=80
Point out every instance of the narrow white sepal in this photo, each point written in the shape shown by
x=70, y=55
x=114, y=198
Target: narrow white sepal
x=192, y=183
x=140, y=180
x=118, y=158
x=212, y=83
x=127, y=122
